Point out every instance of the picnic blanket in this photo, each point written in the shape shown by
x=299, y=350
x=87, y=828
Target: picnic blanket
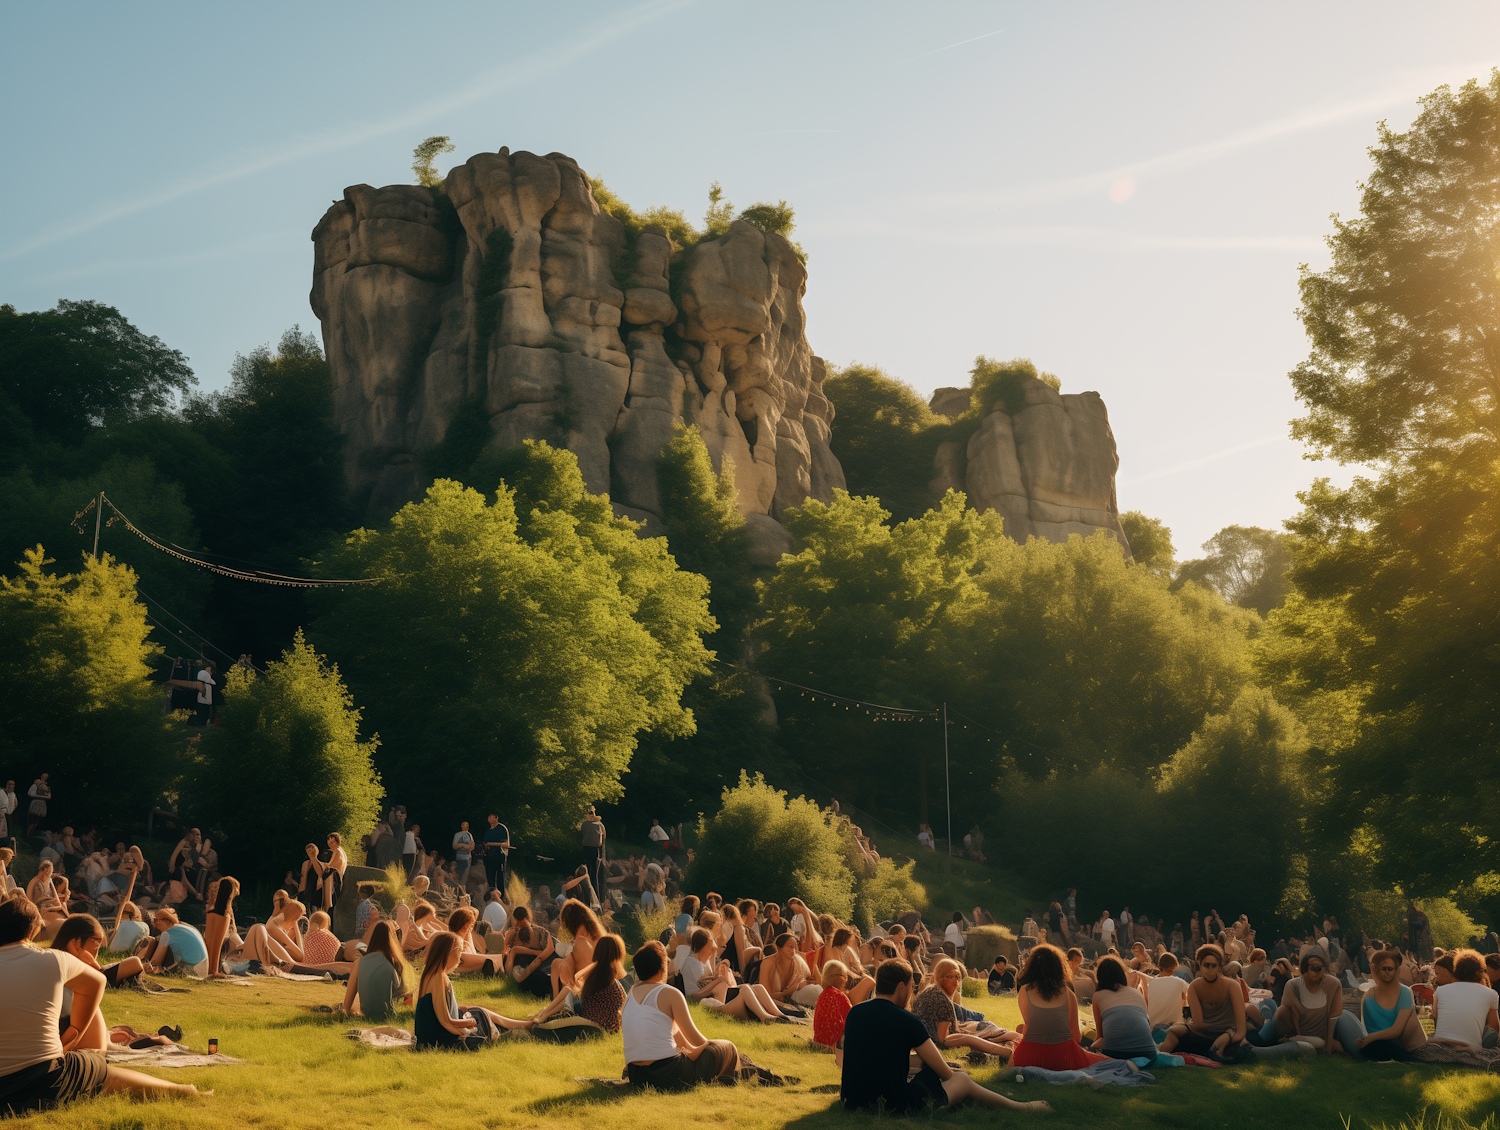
x=383, y=1038
x=166, y=1055
x=1433, y=1052
x=1120, y=1072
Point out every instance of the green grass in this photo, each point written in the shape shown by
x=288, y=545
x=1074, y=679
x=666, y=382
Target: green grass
x=302, y=1071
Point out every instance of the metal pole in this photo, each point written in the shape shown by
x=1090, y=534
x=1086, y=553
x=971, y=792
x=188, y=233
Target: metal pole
x=98, y=515
x=947, y=782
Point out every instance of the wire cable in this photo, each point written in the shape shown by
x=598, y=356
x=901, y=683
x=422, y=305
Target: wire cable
x=189, y=628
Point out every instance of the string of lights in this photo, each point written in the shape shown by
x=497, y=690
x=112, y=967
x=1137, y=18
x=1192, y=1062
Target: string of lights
x=257, y=575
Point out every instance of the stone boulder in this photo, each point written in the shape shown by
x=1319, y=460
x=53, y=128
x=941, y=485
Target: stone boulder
x=511, y=293
x=1044, y=461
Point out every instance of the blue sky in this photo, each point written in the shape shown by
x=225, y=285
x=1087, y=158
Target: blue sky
x=1122, y=193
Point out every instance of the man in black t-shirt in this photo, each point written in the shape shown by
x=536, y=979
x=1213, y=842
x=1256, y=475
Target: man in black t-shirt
x=879, y=1037
x=1002, y=978
x=496, y=845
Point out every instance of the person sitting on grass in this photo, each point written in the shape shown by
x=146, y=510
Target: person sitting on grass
x=1002, y=978
x=1121, y=1015
x=934, y=1007
x=531, y=958
x=833, y=1006
x=440, y=1021
x=717, y=986
x=367, y=909
x=417, y=928
x=45, y=1061
x=378, y=979
x=1466, y=1011
x=597, y=986
x=1050, y=1010
x=584, y=928
x=1166, y=997
x=219, y=921
x=461, y=922
x=1312, y=1008
x=663, y=1047
x=81, y=935
x=785, y=974
x=1390, y=1013
x=130, y=931
x=1218, y=1016
x=879, y=1038
x=178, y=949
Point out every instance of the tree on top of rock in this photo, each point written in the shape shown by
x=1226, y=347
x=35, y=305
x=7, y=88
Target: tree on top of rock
x=423, y=156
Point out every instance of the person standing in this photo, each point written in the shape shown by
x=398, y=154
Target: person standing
x=1070, y=906
x=40, y=793
x=409, y=847
x=8, y=803
x=658, y=837
x=1126, y=921
x=1106, y=930
x=592, y=831
x=463, y=850
x=496, y=847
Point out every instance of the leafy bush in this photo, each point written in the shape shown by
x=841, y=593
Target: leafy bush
x=1380, y=914
x=285, y=765
x=884, y=895
x=762, y=845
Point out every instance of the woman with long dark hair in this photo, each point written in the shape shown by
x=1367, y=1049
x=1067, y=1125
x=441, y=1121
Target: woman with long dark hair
x=1051, y=1013
x=600, y=995
x=378, y=979
x=440, y=1021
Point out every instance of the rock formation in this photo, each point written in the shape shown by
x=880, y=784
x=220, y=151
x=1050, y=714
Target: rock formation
x=512, y=295
x=1042, y=460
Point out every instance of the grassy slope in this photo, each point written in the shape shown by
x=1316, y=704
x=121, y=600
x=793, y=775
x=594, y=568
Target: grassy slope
x=302, y=1070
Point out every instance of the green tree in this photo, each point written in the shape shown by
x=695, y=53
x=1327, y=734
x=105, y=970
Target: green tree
x=1248, y=771
x=520, y=645
x=1404, y=376
x=1150, y=542
x=285, y=766
x=761, y=841
x=75, y=676
x=79, y=365
x=720, y=213
x=886, y=438
x=423, y=156
x=1246, y=565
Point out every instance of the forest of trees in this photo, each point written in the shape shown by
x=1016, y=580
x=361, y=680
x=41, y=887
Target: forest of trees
x=1327, y=694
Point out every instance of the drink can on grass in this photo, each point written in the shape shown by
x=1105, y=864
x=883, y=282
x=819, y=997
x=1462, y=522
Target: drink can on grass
x=213, y=1046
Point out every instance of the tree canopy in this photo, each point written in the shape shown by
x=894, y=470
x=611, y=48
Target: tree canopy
x=1400, y=571
x=520, y=645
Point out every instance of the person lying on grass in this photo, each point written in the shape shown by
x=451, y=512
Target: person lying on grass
x=597, y=985
x=440, y=1021
x=663, y=1047
x=45, y=1062
x=879, y=1037
x=1217, y=1006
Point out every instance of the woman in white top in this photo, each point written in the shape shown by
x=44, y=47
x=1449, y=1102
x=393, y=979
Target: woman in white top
x=717, y=987
x=663, y=1047
x=1466, y=1011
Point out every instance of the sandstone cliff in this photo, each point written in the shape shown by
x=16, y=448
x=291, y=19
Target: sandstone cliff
x=1042, y=460
x=513, y=294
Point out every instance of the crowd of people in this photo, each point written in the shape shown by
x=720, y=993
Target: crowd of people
x=888, y=1006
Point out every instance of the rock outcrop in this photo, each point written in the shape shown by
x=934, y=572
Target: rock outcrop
x=512, y=295
x=1042, y=460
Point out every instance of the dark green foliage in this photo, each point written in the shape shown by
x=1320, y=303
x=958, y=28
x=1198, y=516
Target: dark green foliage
x=284, y=767
x=1005, y=382
x=1150, y=542
x=81, y=364
x=75, y=677
x=776, y=219
x=1403, y=375
x=886, y=438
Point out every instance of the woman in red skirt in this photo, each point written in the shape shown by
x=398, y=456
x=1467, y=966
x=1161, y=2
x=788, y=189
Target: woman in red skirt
x=1050, y=1010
